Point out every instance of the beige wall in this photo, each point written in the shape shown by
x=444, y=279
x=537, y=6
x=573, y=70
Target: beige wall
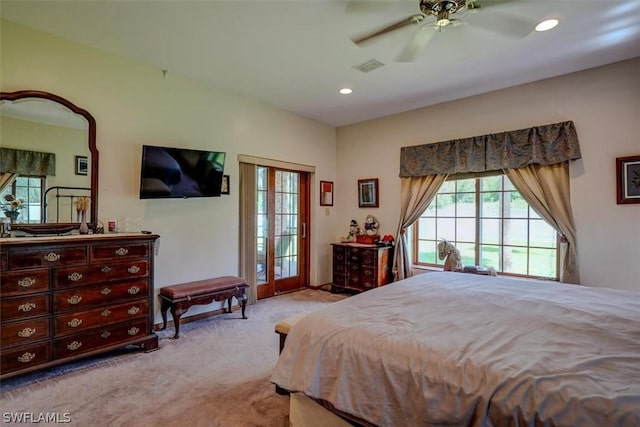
x=604, y=104
x=134, y=104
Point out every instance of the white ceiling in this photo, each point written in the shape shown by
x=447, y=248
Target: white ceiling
x=297, y=54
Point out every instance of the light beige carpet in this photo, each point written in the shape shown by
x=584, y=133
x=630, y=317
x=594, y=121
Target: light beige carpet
x=216, y=374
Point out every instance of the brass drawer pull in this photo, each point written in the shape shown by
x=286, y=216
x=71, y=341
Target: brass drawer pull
x=105, y=313
x=105, y=291
x=105, y=334
x=52, y=257
x=133, y=269
x=75, y=276
x=74, y=299
x=134, y=310
x=26, y=282
x=74, y=323
x=26, y=358
x=26, y=307
x=74, y=345
x=133, y=290
x=133, y=331
x=122, y=251
x=26, y=332
x=106, y=269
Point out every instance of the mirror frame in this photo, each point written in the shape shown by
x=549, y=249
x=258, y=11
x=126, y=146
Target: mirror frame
x=53, y=227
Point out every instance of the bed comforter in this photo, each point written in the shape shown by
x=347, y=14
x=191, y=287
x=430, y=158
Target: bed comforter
x=462, y=349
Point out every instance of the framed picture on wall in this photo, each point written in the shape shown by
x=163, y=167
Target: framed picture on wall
x=368, y=193
x=326, y=193
x=628, y=179
x=82, y=165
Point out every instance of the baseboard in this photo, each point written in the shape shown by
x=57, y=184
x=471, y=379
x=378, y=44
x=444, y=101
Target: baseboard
x=200, y=316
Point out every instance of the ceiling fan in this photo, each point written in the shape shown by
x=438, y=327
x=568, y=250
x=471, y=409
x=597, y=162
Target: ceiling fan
x=442, y=11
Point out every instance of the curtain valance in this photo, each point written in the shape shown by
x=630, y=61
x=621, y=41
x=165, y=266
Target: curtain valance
x=544, y=145
x=24, y=162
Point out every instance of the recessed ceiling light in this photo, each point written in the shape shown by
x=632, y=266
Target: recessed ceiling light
x=547, y=25
x=345, y=91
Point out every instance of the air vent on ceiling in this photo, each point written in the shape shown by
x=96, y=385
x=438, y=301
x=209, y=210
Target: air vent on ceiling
x=368, y=66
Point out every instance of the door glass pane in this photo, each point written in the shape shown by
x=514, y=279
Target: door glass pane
x=262, y=226
x=286, y=220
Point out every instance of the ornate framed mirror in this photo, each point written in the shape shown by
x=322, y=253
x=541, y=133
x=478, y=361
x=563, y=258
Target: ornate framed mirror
x=49, y=156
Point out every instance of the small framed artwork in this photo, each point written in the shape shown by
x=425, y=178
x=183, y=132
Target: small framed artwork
x=368, y=193
x=82, y=165
x=225, y=185
x=628, y=179
x=326, y=193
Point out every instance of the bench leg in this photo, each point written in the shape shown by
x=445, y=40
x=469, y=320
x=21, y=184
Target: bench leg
x=229, y=301
x=243, y=303
x=165, y=305
x=176, y=312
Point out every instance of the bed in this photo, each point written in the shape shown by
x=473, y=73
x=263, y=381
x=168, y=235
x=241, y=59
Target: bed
x=449, y=348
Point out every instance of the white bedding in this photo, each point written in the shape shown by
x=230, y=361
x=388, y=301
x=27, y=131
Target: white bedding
x=463, y=349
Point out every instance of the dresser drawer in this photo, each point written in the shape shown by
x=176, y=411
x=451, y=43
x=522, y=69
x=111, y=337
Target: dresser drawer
x=47, y=257
x=25, y=357
x=369, y=277
x=353, y=255
x=369, y=257
x=339, y=269
x=86, y=275
x=100, y=338
x=24, y=332
x=81, y=299
x=115, y=252
x=24, y=282
x=24, y=307
x=71, y=323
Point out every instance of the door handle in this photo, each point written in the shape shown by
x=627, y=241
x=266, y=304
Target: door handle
x=304, y=230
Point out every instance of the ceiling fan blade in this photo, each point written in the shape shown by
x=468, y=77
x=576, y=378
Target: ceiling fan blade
x=417, y=44
x=404, y=22
x=503, y=23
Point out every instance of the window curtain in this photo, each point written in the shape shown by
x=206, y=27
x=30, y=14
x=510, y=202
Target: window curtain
x=24, y=162
x=6, y=179
x=247, y=246
x=416, y=194
x=532, y=158
x=546, y=189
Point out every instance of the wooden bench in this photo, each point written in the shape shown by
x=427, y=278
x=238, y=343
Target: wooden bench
x=282, y=328
x=180, y=297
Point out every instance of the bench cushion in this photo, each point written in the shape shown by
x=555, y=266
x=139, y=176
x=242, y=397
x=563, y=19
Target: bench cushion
x=200, y=287
x=285, y=325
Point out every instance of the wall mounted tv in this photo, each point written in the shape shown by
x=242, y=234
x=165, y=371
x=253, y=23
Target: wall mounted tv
x=180, y=173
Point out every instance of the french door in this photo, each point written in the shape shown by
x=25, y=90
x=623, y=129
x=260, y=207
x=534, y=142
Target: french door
x=282, y=208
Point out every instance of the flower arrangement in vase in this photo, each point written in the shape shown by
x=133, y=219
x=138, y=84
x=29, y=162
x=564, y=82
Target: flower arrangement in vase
x=82, y=205
x=13, y=207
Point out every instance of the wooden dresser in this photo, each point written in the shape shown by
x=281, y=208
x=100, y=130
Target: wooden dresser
x=360, y=267
x=73, y=296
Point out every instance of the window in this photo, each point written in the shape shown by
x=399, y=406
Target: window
x=28, y=189
x=491, y=224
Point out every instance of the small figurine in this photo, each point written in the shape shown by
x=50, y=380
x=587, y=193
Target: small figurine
x=354, y=228
x=371, y=226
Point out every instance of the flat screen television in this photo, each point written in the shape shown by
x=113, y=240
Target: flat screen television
x=168, y=172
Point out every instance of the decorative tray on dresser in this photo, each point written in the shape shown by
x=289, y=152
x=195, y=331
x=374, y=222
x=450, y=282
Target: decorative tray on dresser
x=67, y=297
